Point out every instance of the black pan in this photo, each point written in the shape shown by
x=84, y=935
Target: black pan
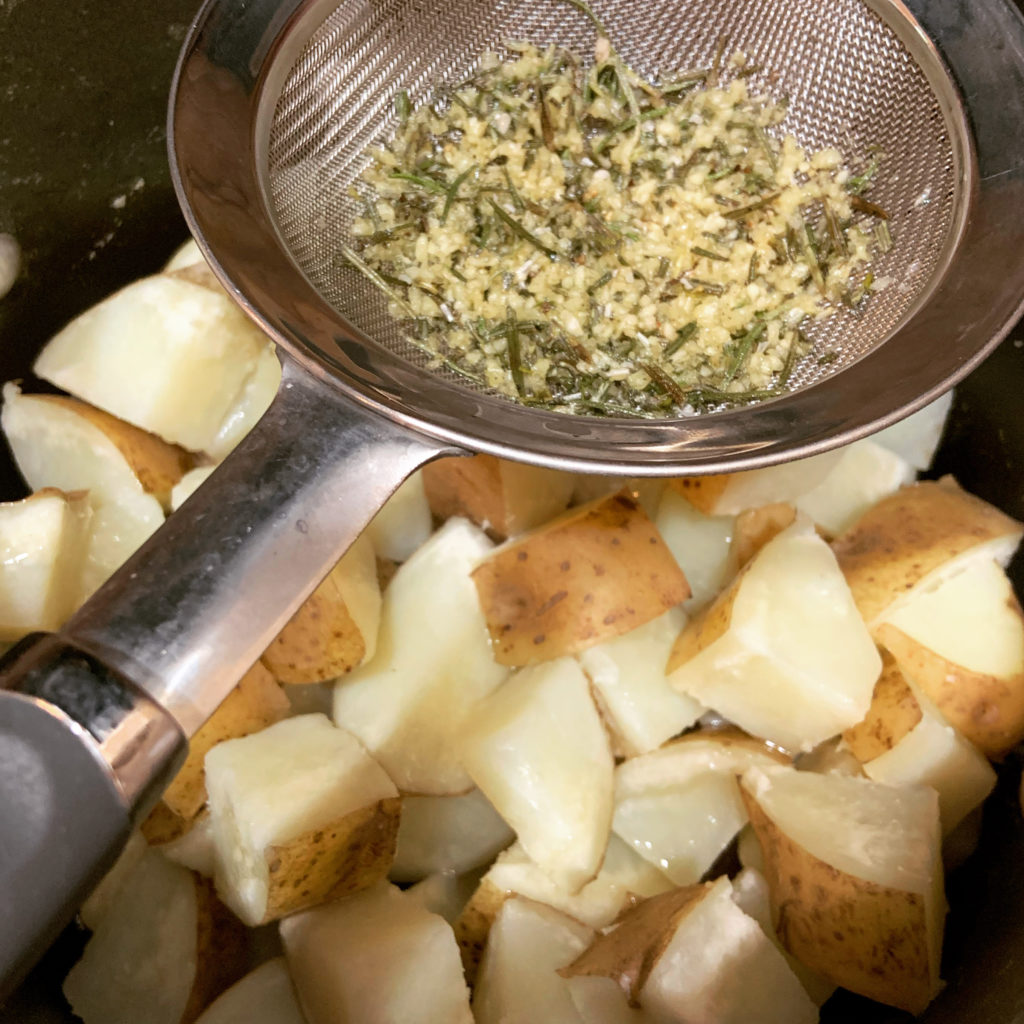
x=84, y=187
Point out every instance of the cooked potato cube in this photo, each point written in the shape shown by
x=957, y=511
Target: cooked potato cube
x=377, y=958
x=255, y=703
x=444, y=894
x=300, y=814
x=894, y=711
x=403, y=524
x=782, y=652
x=264, y=996
x=42, y=545
x=756, y=526
x=170, y=356
x=336, y=627
x=94, y=909
x=433, y=662
x=647, y=490
x=855, y=876
x=551, y=782
x=502, y=497
x=595, y=573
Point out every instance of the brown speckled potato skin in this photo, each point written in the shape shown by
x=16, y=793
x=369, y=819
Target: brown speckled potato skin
x=164, y=826
x=470, y=487
x=902, y=538
x=222, y=950
x=594, y=573
x=702, y=492
x=707, y=626
x=334, y=860
x=989, y=711
x=756, y=526
x=859, y=935
x=893, y=713
x=473, y=925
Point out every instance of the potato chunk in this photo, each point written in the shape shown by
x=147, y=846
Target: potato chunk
x=264, y=996
x=595, y=573
x=300, y=814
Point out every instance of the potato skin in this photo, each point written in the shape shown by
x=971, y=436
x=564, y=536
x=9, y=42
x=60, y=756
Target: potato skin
x=702, y=492
x=594, y=573
x=222, y=950
x=710, y=624
x=756, y=526
x=893, y=713
x=473, y=925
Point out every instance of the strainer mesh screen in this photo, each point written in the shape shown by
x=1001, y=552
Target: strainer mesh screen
x=851, y=84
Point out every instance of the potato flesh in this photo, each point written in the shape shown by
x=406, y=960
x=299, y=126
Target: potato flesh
x=188, y=485
x=403, y=523
x=916, y=438
x=377, y=958
x=552, y=784
x=631, y=687
x=264, y=996
x=433, y=662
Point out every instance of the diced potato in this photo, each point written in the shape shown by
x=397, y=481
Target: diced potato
x=960, y=638
x=916, y=536
x=300, y=814
x=444, y=894
x=693, y=954
x=518, y=983
x=917, y=437
x=894, y=711
x=647, y=490
x=188, y=485
x=447, y=834
x=433, y=662
x=404, y=523
x=163, y=950
x=100, y=900
x=193, y=849
x=551, y=782
x=502, y=497
x=782, y=652
x=601, y=1001
x=163, y=826
x=377, y=958
x=700, y=543
x=336, y=627
x=593, y=574
x=856, y=879
x=170, y=356
x=42, y=545
x=256, y=702
x=754, y=527
x=264, y=996
x=629, y=683
x=54, y=446
x=679, y=807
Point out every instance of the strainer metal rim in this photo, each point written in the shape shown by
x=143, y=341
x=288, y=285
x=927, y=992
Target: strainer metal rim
x=222, y=95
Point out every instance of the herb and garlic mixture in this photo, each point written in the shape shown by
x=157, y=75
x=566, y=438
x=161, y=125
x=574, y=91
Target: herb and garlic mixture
x=590, y=242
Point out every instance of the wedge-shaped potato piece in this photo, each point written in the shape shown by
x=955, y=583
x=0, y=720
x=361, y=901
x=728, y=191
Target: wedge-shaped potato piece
x=300, y=814
x=264, y=996
x=917, y=437
x=551, y=783
x=42, y=545
x=173, y=357
x=700, y=544
x=518, y=981
x=917, y=536
x=502, y=497
x=404, y=523
x=782, y=652
x=730, y=493
x=905, y=741
x=433, y=662
x=629, y=683
x=856, y=879
x=960, y=638
x=623, y=876
x=679, y=807
x=336, y=627
x=377, y=958
x=693, y=954
x=54, y=446
x=255, y=703
x=447, y=834
x=593, y=574
x=163, y=950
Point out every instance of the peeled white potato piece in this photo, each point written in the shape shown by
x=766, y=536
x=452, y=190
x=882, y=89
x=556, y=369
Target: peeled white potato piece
x=783, y=652
x=537, y=749
x=679, y=807
x=855, y=876
x=700, y=543
x=42, y=545
x=300, y=813
x=433, y=662
x=170, y=356
x=377, y=958
x=56, y=447
x=447, y=834
x=404, y=523
x=104, y=895
x=865, y=473
x=518, y=983
x=631, y=688
x=917, y=437
x=188, y=485
x=264, y=996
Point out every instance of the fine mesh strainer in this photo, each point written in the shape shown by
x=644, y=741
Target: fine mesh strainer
x=273, y=104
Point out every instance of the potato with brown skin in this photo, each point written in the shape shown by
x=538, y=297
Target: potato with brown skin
x=504, y=498
x=702, y=492
x=594, y=573
x=893, y=713
x=756, y=526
